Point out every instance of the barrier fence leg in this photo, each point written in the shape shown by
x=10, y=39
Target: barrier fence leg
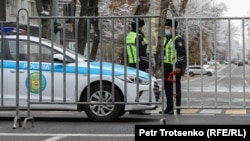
x=17, y=119
x=163, y=102
x=28, y=117
x=175, y=108
x=163, y=119
x=25, y=121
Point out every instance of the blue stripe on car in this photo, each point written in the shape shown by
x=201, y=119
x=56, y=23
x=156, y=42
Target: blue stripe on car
x=94, y=68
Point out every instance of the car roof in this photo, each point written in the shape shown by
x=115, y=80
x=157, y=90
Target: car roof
x=25, y=37
x=44, y=41
x=34, y=39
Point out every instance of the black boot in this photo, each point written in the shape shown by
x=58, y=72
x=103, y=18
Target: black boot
x=167, y=111
x=178, y=111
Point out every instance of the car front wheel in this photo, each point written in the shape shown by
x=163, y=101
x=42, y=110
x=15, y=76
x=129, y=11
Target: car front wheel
x=103, y=112
x=191, y=74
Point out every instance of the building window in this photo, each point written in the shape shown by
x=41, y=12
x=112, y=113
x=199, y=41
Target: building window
x=12, y=7
x=32, y=8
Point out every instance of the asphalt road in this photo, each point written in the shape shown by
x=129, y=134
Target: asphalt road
x=74, y=126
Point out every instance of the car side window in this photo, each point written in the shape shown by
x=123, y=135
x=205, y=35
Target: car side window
x=13, y=51
x=36, y=55
x=0, y=49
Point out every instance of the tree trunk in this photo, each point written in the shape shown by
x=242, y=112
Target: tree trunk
x=40, y=6
x=3, y=12
x=88, y=8
x=183, y=7
x=94, y=12
x=82, y=26
x=158, y=56
x=143, y=7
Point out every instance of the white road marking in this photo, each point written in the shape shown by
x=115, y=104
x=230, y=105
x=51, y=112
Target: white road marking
x=56, y=113
x=56, y=138
x=68, y=135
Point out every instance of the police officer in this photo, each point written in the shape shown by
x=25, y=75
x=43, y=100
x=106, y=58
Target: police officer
x=133, y=46
x=136, y=42
x=174, y=53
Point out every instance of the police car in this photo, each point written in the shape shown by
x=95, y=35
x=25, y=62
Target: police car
x=51, y=76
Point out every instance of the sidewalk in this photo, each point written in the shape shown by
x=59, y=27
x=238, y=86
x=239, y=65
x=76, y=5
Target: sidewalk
x=205, y=117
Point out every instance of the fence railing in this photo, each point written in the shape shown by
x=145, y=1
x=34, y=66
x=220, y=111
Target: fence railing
x=37, y=73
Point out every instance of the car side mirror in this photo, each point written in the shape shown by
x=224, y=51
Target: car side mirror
x=59, y=58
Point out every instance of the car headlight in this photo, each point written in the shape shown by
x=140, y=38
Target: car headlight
x=134, y=79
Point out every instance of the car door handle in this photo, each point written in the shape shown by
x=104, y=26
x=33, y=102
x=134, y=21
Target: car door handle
x=14, y=71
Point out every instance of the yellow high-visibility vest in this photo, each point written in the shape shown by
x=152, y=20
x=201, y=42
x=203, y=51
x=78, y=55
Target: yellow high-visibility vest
x=170, y=55
x=131, y=47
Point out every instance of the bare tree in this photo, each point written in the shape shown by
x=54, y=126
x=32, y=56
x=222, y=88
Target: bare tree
x=90, y=8
x=166, y=7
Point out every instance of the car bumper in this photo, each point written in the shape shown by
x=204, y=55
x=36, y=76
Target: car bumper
x=143, y=97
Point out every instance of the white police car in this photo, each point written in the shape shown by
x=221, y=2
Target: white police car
x=55, y=77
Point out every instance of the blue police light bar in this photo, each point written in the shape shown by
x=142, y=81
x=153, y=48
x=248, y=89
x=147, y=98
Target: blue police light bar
x=10, y=30
x=7, y=29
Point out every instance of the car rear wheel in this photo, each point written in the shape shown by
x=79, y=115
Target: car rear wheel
x=103, y=112
x=209, y=74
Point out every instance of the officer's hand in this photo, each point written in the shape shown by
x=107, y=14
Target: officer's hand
x=177, y=70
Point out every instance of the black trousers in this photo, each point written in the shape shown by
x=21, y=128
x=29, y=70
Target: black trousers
x=141, y=67
x=168, y=86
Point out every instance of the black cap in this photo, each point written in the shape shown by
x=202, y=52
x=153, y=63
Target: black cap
x=168, y=22
x=140, y=20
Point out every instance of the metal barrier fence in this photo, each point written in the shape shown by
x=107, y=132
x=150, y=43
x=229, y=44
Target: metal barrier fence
x=227, y=87
x=51, y=76
x=39, y=74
